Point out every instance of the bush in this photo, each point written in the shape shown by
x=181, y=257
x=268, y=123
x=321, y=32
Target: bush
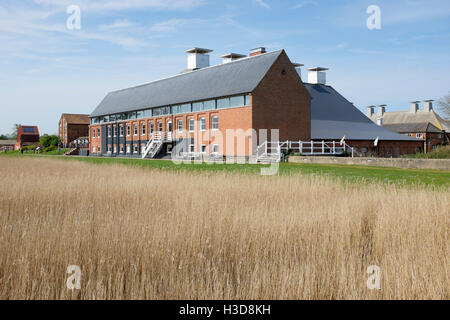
x=47, y=141
x=441, y=152
x=50, y=148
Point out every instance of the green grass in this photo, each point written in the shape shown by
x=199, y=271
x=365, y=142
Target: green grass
x=351, y=173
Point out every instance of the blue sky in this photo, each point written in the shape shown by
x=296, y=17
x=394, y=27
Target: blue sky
x=47, y=69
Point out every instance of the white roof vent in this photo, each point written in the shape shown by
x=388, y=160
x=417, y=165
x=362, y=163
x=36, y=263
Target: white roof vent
x=197, y=58
x=317, y=75
x=298, y=68
x=229, y=57
x=414, y=106
x=428, y=105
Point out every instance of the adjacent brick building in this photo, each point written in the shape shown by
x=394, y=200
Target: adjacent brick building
x=424, y=124
x=73, y=126
x=27, y=136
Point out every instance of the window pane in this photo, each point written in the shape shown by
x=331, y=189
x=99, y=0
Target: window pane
x=185, y=108
x=247, y=100
x=237, y=101
x=197, y=106
x=139, y=114
x=132, y=115
x=191, y=124
x=176, y=109
x=223, y=103
x=209, y=105
x=215, y=122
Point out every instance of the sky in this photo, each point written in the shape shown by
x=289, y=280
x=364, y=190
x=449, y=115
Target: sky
x=47, y=69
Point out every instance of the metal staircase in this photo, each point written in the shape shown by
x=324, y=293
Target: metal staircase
x=273, y=151
x=155, y=144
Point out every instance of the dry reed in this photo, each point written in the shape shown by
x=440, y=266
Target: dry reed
x=142, y=234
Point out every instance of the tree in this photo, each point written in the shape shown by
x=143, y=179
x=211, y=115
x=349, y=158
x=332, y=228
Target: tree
x=49, y=141
x=444, y=106
x=15, y=129
x=3, y=137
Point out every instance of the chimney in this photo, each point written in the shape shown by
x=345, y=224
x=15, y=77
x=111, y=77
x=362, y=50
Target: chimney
x=428, y=106
x=414, y=106
x=370, y=111
x=298, y=68
x=257, y=51
x=229, y=57
x=197, y=58
x=381, y=110
x=317, y=75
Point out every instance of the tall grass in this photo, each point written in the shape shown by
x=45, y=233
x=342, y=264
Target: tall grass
x=143, y=234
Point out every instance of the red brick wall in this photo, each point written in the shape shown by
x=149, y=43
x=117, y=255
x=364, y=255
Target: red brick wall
x=282, y=102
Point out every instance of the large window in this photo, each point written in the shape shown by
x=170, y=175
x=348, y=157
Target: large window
x=180, y=125
x=215, y=148
x=237, y=101
x=135, y=132
x=197, y=106
x=152, y=127
x=215, y=123
x=209, y=105
x=115, y=131
x=160, y=126
x=143, y=129
x=109, y=132
x=128, y=130
x=121, y=131
x=93, y=133
x=191, y=125
x=203, y=124
x=223, y=103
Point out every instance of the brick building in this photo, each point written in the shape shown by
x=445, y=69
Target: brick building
x=73, y=126
x=424, y=124
x=198, y=106
x=245, y=94
x=27, y=136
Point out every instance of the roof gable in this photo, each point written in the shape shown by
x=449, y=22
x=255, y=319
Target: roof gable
x=237, y=77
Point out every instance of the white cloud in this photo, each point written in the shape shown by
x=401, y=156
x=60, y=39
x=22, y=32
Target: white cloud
x=261, y=3
x=118, y=24
x=305, y=3
x=117, y=5
x=170, y=25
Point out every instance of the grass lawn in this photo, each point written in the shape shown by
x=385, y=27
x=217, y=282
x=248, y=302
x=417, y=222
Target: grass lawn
x=351, y=173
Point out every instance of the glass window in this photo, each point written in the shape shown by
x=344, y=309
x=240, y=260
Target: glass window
x=215, y=148
x=128, y=148
x=180, y=125
x=93, y=133
x=119, y=117
x=135, y=130
x=109, y=131
x=115, y=149
x=197, y=106
x=105, y=118
x=121, y=131
x=237, y=101
x=191, y=148
x=128, y=130
x=202, y=124
x=203, y=148
x=176, y=109
x=132, y=115
x=151, y=127
x=223, y=103
x=160, y=126
x=209, y=105
x=143, y=129
x=121, y=149
x=139, y=114
x=112, y=118
x=247, y=100
x=191, y=125
x=147, y=113
x=135, y=148
x=215, y=122
x=185, y=108
x=115, y=131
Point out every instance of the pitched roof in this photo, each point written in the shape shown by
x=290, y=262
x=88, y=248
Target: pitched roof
x=7, y=142
x=76, y=118
x=421, y=116
x=412, y=127
x=333, y=117
x=28, y=130
x=236, y=77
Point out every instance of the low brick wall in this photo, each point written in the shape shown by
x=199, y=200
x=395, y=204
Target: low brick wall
x=436, y=164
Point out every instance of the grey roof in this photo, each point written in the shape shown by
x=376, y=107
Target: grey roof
x=333, y=117
x=421, y=116
x=236, y=77
x=412, y=127
x=7, y=142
